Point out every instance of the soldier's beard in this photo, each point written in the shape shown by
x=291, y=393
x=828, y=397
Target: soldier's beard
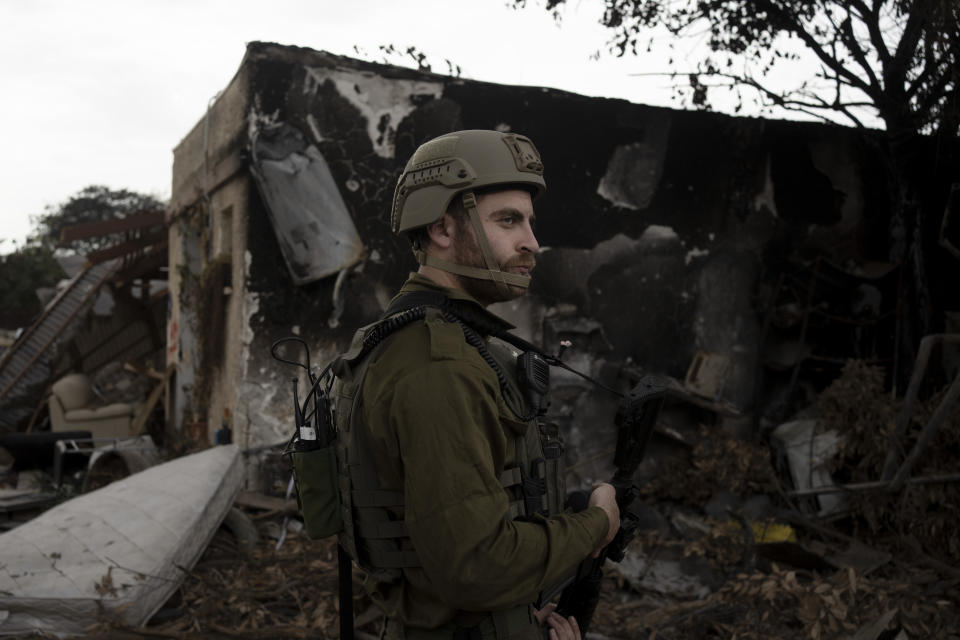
x=467, y=252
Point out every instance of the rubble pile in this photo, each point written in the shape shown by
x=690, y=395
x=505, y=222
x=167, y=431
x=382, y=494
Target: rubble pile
x=857, y=406
x=716, y=461
x=786, y=604
x=728, y=548
x=291, y=592
x=885, y=566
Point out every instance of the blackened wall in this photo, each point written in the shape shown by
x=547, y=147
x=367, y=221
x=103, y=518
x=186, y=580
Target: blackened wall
x=665, y=232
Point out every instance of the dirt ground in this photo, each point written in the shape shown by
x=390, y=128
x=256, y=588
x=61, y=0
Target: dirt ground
x=291, y=593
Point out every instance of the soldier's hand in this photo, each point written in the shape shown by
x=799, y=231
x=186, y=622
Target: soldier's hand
x=605, y=497
x=560, y=628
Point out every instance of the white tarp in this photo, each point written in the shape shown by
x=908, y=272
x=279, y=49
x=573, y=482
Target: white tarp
x=118, y=552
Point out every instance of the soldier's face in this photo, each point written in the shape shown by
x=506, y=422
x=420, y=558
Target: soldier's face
x=508, y=222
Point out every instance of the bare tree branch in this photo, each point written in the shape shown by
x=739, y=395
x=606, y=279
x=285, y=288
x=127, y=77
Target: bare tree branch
x=812, y=44
x=900, y=55
x=871, y=18
x=912, y=33
x=850, y=41
x=783, y=100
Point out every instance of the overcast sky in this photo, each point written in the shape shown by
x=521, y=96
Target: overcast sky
x=100, y=91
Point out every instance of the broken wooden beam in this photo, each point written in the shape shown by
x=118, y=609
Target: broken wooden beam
x=139, y=220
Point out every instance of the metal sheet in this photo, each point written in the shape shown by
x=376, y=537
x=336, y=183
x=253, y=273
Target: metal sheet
x=313, y=225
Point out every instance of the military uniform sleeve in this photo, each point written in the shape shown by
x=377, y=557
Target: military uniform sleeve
x=452, y=448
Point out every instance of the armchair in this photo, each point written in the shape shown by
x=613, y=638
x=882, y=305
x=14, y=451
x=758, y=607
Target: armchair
x=72, y=408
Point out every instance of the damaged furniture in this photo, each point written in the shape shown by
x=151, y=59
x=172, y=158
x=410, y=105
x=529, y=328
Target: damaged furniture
x=72, y=408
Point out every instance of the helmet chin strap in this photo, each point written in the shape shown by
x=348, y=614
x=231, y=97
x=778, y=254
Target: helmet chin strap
x=502, y=279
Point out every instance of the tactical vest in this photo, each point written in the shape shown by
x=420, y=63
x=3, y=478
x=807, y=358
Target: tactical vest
x=374, y=533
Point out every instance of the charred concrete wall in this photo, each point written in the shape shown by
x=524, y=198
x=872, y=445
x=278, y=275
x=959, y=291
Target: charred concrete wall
x=208, y=260
x=665, y=233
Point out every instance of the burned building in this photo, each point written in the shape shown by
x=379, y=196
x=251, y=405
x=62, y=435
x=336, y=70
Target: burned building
x=746, y=258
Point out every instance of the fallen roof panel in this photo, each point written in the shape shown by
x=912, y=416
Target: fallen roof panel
x=118, y=552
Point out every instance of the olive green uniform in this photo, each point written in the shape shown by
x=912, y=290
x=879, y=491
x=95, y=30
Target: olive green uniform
x=439, y=431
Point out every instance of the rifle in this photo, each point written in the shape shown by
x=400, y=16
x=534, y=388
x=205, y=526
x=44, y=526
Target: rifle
x=635, y=419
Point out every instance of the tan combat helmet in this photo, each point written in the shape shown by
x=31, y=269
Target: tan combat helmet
x=456, y=164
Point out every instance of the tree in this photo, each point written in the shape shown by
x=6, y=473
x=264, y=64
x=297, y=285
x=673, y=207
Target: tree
x=899, y=59
x=91, y=204
x=21, y=274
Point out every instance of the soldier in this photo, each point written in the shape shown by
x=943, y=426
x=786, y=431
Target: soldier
x=456, y=490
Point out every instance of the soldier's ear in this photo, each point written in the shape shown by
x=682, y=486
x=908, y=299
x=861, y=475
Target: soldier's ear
x=441, y=232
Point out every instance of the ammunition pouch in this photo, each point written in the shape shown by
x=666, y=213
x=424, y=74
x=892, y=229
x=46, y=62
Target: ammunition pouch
x=318, y=493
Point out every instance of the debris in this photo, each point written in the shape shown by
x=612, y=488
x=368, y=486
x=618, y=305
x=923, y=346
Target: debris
x=861, y=558
x=665, y=575
x=117, y=553
x=707, y=374
x=755, y=566
x=20, y=505
x=32, y=451
x=873, y=630
x=773, y=532
x=678, y=391
x=118, y=460
x=25, y=365
x=930, y=429
x=807, y=455
x=718, y=461
x=243, y=529
x=857, y=405
x=289, y=592
x=794, y=555
x=314, y=228
x=268, y=504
